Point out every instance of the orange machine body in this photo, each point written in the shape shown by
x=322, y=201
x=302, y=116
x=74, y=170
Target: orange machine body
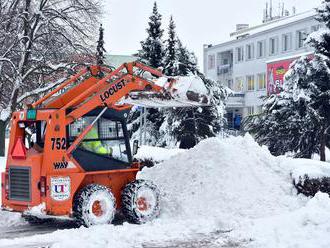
x=50, y=174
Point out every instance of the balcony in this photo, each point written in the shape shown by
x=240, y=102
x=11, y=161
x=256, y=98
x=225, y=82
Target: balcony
x=225, y=70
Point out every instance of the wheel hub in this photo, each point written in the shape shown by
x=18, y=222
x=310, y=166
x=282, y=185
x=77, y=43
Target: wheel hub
x=97, y=208
x=142, y=204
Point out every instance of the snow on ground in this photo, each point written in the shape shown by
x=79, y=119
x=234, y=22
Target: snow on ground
x=314, y=169
x=327, y=155
x=220, y=185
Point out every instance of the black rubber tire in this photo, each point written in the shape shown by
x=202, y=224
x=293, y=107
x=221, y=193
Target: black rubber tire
x=82, y=199
x=129, y=199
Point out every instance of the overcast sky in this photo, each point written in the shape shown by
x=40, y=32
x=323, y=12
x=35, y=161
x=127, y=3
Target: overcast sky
x=198, y=21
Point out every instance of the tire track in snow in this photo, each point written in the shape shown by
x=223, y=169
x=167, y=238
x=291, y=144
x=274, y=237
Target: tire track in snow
x=217, y=239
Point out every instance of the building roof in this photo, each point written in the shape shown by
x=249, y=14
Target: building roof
x=275, y=24
x=265, y=27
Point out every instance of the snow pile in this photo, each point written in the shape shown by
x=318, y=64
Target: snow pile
x=307, y=227
x=184, y=87
x=223, y=180
x=157, y=154
x=301, y=167
x=189, y=83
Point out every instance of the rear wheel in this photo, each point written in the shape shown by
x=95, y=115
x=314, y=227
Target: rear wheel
x=140, y=201
x=94, y=205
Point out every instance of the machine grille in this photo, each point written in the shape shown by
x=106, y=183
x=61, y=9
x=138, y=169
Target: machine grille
x=20, y=183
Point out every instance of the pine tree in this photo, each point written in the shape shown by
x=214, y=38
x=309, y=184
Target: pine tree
x=187, y=61
x=298, y=119
x=100, y=47
x=170, y=60
x=186, y=126
x=152, y=54
x=152, y=51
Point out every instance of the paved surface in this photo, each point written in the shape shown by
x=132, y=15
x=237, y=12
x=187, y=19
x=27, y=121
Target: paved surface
x=217, y=239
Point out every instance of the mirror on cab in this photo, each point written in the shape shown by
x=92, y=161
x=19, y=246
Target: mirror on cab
x=135, y=146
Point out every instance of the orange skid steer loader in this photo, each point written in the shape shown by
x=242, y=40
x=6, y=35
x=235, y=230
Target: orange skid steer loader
x=71, y=152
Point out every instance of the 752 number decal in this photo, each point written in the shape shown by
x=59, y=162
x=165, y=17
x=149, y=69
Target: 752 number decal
x=58, y=143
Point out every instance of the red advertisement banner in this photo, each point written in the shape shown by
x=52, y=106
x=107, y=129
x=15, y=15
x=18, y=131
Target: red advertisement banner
x=275, y=74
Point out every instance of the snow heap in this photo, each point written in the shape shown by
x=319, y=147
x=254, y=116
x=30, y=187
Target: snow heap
x=184, y=86
x=235, y=185
x=225, y=180
x=156, y=154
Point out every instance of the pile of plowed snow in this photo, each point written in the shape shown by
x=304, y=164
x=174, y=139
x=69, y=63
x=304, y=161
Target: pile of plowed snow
x=223, y=179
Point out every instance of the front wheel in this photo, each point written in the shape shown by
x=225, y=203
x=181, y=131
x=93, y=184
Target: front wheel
x=140, y=201
x=94, y=205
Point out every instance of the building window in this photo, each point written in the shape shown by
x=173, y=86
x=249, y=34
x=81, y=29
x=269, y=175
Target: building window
x=250, y=82
x=250, y=110
x=239, y=54
x=262, y=81
x=239, y=83
x=211, y=62
x=261, y=48
x=286, y=42
x=273, y=46
x=301, y=37
x=250, y=51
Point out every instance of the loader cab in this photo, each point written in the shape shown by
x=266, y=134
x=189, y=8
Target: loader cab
x=107, y=145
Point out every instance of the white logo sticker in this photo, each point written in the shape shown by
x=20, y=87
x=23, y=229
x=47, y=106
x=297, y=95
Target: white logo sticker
x=60, y=188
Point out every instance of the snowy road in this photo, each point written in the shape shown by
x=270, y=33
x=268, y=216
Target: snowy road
x=30, y=230
x=215, y=239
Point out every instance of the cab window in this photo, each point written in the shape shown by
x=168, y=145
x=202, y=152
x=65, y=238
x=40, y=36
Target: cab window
x=106, y=138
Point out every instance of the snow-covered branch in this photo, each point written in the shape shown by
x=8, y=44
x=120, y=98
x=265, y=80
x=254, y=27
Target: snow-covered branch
x=40, y=91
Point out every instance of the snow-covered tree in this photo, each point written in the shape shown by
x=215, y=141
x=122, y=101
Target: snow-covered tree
x=100, y=47
x=152, y=54
x=187, y=126
x=152, y=50
x=38, y=38
x=187, y=61
x=283, y=126
x=171, y=56
x=298, y=118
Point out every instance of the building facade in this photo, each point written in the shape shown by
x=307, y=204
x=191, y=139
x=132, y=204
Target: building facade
x=255, y=60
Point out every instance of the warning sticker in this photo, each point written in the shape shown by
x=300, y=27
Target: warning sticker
x=60, y=188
